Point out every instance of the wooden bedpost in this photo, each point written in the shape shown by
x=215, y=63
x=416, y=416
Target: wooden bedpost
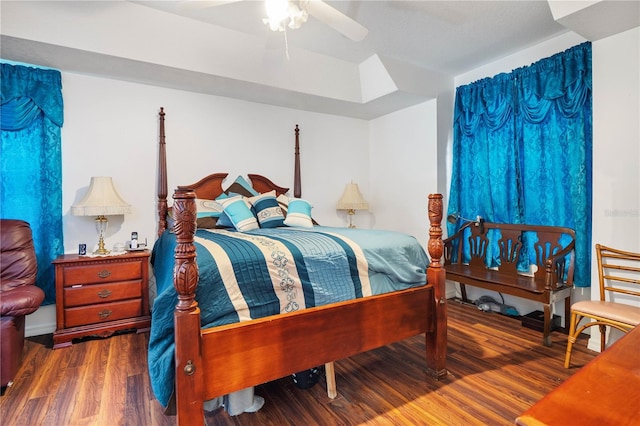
x=297, y=184
x=436, y=336
x=162, y=178
x=188, y=357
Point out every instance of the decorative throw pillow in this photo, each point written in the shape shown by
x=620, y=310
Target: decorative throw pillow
x=267, y=210
x=208, y=208
x=208, y=213
x=299, y=213
x=223, y=220
x=242, y=187
x=283, y=201
x=239, y=212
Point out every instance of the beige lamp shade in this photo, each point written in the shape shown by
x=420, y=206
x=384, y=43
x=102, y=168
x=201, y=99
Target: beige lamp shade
x=101, y=199
x=352, y=199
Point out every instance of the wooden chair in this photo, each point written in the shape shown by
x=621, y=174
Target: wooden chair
x=619, y=278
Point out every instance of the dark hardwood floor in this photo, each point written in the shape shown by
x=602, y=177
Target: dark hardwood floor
x=497, y=369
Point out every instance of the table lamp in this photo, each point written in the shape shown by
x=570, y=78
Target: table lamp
x=352, y=200
x=101, y=200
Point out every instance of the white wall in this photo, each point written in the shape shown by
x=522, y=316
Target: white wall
x=403, y=169
x=111, y=128
x=616, y=149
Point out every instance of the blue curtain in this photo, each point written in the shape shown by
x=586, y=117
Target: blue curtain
x=31, y=117
x=522, y=146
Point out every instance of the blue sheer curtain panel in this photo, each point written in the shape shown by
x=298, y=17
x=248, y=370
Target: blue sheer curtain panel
x=522, y=146
x=31, y=117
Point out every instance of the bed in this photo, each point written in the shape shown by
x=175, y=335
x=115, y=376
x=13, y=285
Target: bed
x=211, y=360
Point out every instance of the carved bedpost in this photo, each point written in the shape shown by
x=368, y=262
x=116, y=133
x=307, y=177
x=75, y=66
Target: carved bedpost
x=162, y=178
x=185, y=271
x=297, y=184
x=188, y=357
x=436, y=246
x=436, y=336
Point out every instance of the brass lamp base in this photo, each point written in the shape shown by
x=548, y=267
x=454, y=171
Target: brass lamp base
x=351, y=212
x=101, y=226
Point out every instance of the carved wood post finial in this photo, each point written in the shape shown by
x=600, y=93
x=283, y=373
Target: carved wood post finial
x=435, y=245
x=162, y=178
x=185, y=270
x=297, y=183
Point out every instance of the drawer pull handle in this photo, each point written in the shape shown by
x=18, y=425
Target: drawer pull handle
x=104, y=273
x=189, y=369
x=104, y=293
x=104, y=314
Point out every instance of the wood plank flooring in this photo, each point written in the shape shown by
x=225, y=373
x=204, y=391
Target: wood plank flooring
x=497, y=369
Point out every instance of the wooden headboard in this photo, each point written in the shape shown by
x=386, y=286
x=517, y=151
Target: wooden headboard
x=210, y=187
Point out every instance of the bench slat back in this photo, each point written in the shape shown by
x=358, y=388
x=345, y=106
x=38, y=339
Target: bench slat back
x=514, y=242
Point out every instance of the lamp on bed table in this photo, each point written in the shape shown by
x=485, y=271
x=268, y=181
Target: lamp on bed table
x=101, y=200
x=352, y=200
x=453, y=218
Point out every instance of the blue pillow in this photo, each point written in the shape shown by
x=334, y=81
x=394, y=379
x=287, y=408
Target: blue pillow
x=267, y=210
x=239, y=213
x=242, y=187
x=223, y=220
x=299, y=213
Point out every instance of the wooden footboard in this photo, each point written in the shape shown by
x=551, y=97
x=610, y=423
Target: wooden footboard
x=223, y=359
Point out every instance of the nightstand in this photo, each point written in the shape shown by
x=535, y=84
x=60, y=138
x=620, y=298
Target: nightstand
x=97, y=296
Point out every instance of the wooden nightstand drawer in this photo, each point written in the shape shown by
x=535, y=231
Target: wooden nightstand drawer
x=102, y=312
x=108, y=272
x=102, y=293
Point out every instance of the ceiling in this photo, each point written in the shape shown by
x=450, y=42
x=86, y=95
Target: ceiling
x=411, y=54
x=446, y=36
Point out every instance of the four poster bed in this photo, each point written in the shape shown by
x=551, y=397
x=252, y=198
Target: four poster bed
x=210, y=360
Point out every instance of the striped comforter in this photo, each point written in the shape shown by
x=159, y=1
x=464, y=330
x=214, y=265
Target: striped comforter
x=248, y=275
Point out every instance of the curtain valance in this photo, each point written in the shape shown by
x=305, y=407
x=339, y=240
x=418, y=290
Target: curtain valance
x=562, y=81
x=25, y=91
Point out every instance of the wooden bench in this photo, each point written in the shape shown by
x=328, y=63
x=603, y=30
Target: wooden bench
x=550, y=274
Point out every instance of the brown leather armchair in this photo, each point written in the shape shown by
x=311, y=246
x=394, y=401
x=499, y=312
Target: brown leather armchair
x=18, y=294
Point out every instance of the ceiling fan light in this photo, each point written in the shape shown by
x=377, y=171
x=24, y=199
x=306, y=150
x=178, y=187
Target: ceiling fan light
x=277, y=10
x=298, y=16
x=273, y=25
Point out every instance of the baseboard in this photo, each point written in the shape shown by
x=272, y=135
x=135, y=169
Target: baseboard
x=450, y=291
x=42, y=321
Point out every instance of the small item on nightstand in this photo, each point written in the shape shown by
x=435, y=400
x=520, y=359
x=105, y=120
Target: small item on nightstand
x=82, y=249
x=118, y=247
x=135, y=244
x=134, y=241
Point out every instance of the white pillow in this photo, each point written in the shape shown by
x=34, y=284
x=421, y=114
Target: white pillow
x=299, y=213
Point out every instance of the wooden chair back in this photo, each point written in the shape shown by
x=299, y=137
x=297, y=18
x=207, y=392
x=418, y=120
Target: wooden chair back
x=619, y=303
x=618, y=273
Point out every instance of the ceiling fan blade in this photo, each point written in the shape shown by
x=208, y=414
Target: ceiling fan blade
x=204, y=4
x=336, y=20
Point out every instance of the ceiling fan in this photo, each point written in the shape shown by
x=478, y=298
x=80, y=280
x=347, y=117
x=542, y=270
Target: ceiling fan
x=292, y=14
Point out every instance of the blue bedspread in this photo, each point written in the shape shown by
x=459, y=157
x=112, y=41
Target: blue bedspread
x=248, y=275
